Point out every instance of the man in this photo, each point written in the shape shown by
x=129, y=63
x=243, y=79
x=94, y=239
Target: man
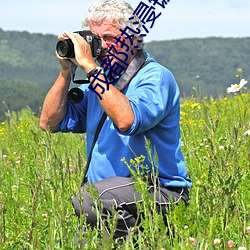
x=141, y=102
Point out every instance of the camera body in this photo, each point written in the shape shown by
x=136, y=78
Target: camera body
x=65, y=48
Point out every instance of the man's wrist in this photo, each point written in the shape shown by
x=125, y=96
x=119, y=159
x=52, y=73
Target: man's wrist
x=89, y=66
x=94, y=71
x=65, y=72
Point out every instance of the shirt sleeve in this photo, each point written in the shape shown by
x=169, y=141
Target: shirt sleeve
x=152, y=98
x=75, y=117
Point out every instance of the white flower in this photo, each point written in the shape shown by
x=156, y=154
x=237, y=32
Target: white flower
x=237, y=87
x=221, y=147
x=217, y=241
x=22, y=210
x=192, y=240
x=242, y=248
x=247, y=133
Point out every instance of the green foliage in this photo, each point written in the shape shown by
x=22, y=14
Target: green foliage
x=40, y=172
x=36, y=184
x=28, y=58
x=202, y=67
x=14, y=95
x=28, y=68
x=216, y=146
x=208, y=62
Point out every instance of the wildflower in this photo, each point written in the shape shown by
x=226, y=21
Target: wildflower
x=216, y=241
x=14, y=188
x=132, y=162
x=137, y=159
x=240, y=70
x=22, y=210
x=123, y=159
x=195, y=106
x=221, y=147
x=248, y=230
x=192, y=240
x=237, y=87
x=230, y=244
x=247, y=133
x=198, y=182
x=45, y=216
x=242, y=248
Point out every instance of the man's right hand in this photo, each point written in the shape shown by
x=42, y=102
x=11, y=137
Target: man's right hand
x=66, y=63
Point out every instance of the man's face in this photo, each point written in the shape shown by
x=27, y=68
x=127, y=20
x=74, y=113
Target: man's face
x=108, y=32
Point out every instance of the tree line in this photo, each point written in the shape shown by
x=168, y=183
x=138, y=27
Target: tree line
x=202, y=67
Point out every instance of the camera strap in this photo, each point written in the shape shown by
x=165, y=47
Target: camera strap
x=136, y=64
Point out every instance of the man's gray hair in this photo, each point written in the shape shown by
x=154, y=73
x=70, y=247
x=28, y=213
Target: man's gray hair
x=117, y=12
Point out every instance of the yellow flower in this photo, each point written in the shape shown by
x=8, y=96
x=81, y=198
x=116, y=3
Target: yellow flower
x=240, y=70
x=195, y=105
x=132, y=162
x=138, y=160
x=183, y=113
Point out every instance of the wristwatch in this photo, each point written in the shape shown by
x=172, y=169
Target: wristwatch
x=95, y=71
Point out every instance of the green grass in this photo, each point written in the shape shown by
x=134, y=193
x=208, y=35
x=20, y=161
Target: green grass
x=40, y=172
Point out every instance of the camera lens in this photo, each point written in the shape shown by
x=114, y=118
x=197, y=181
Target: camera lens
x=65, y=48
x=75, y=95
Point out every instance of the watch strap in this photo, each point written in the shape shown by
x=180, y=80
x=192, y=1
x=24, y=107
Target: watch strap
x=95, y=71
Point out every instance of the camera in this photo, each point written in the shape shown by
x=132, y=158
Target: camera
x=65, y=48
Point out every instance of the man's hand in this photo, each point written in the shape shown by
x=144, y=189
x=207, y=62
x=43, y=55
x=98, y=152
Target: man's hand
x=83, y=54
x=66, y=63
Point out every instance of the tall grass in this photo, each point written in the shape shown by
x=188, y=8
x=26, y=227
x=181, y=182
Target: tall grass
x=40, y=172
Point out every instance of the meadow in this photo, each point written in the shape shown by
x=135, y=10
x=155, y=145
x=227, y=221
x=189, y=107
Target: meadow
x=40, y=172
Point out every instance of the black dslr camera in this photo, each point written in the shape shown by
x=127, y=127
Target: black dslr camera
x=65, y=48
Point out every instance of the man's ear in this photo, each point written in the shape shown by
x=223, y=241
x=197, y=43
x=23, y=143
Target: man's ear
x=135, y=41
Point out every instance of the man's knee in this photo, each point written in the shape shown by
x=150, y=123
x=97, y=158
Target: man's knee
x=84, y=205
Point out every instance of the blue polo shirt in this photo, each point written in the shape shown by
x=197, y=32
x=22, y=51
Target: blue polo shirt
x=154, y=97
